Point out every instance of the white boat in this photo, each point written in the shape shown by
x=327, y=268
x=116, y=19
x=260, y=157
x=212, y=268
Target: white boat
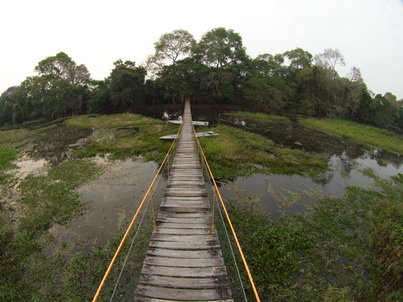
x=195, y=123
x=198, y=134
x=206, y=134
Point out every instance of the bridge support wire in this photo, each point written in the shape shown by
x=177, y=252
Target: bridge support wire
x=125, y=236
x=220, y=199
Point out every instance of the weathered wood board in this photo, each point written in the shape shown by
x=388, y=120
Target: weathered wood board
x=184, y=260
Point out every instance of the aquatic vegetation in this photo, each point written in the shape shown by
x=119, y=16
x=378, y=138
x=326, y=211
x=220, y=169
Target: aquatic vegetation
x=236, y=152
x=256, y=116
x=345, y=250
x=43, y=201
x=7, y=155
x=124, y=135
x=358, y=132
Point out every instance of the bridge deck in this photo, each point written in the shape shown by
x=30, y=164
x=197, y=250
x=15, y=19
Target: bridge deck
x=184, y=260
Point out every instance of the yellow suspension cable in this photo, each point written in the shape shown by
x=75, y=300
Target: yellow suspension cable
x=229, y=222
x=133, y=220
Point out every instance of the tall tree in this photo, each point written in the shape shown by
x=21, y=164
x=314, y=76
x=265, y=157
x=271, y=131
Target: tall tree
x=329, y=59
x=126, y=85
x=63, y=84
x=299, y=58
x=170, y=48
x=220, y=48
x=175, y=45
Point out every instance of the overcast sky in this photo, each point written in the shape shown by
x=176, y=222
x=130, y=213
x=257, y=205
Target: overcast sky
x=368, y=33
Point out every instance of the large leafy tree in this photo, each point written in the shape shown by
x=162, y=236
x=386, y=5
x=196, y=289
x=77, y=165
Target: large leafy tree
x=299, y=58
x=175, y=45
x=170, y=48
x=62, y=67
x=185, y=77
x=221, y=47
x=126, y=85
x=223, y=52
x=62, y=85
x=269, y=93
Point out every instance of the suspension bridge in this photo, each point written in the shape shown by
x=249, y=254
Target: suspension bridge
x=185, y=259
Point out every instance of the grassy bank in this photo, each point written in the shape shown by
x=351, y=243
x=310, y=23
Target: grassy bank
x=123, y=135
x=26, y=273
x=358, y=133
x=238, y=153
x=345, y=250
x=7, y=155
x=258, y=117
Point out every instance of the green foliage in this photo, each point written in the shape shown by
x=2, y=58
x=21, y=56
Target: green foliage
x=51, y=198
x=124, y=135
x=126, y=86
x=7, y=155
x=271, y=94
x=344, y=250
x=357, y=132
x=235, y=152
x=221, y=47
x=25, y=271
x=215, y=69
x=173, y=45
x=256, y=116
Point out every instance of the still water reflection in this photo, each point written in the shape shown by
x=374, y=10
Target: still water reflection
x=286, y=194
x=112, y=199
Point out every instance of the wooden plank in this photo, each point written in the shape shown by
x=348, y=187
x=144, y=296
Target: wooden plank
x=175, y=219
x=183, y=254
x=191, y=198
x=186, y=202
x=185, y=193
x=188, y=238
x=185, y=225
x=184, y=294
x=183, y=209
x=184, y=245
x=183, y=215
x=184, y=262
x=146, y=299
x=179, y=231
x=184, y=272
x=177, y=282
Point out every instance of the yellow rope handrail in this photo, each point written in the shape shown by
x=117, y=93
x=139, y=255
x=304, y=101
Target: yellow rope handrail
x=134, y=219
x=229, y=222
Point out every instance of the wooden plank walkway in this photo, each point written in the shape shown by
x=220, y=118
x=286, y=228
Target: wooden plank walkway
x=184, y=260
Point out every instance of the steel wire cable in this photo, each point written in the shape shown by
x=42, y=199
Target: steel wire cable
x=129, y=251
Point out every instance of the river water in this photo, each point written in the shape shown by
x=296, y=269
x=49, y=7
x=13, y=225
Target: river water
x=288, y=194
x=113, y=198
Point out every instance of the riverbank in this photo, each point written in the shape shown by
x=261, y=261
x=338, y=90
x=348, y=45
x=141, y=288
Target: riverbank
x=343, y=247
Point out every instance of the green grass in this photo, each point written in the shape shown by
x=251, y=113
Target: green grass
x=52, y=198
x=236, y=153
x=124, y=135
x=259, y=117
x=7, y=155
x=112, y=121
x=43, y=201
x=358, y=133
x=345, y=250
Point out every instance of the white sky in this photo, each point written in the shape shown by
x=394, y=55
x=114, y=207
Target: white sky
x=368, y=33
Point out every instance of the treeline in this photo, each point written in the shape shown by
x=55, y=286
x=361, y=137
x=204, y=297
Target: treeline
x=216, y=69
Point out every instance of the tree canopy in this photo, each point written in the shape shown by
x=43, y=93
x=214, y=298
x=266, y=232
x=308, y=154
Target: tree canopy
x=215, y=69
